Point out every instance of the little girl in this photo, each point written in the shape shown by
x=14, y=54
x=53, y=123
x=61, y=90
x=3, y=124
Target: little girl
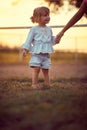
x=39, y=42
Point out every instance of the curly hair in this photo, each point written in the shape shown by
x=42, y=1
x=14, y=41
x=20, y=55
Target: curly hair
x=38, y=12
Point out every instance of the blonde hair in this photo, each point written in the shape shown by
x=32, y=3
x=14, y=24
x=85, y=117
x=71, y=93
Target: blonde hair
x=38, y=12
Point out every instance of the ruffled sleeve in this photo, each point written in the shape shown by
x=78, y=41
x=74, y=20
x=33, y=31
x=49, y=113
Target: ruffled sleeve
x=53, y=38
x=28, y=43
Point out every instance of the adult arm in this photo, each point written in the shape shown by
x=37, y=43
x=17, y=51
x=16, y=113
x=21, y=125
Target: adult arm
x=76, y=17
x=73, y=20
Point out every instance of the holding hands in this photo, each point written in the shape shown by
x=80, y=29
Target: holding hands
x=78, y=15
x=59, y=36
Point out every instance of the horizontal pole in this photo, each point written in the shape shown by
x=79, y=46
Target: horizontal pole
x=27, y=27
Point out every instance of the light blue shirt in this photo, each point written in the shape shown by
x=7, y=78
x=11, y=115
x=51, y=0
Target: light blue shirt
x=40, y=40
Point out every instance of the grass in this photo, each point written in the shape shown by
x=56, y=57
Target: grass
x=13, y=57
x=68, y=56
x=62, y=107
x=9, y=57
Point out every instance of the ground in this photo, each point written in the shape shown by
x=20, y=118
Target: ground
x=61, y=70
x=62, y=107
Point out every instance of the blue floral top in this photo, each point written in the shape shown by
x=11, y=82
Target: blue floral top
x=39, y=40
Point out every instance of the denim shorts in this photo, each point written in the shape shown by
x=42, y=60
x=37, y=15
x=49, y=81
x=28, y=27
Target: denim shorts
x=41, y=60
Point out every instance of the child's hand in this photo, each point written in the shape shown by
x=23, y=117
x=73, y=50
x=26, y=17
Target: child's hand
x=24, y=52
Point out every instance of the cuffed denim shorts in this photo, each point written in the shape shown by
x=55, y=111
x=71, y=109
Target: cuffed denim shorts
x=41, y=60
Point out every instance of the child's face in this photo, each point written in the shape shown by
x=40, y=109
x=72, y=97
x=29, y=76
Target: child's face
x=44, y=19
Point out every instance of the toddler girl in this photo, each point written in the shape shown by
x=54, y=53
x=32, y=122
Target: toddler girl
x=40, y=43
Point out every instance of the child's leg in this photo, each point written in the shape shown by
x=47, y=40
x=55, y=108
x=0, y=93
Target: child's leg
x=35, y=74
x=46, y=76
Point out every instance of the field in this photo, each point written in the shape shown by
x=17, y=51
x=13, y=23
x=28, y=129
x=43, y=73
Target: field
x=62, y=107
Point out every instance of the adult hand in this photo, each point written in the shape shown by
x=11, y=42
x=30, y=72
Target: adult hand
x=59, y=36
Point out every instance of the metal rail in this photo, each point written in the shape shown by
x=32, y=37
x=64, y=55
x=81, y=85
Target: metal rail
x=27, y=27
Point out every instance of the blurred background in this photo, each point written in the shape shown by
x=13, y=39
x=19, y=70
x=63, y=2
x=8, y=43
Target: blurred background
x=14, y=27
x=16, y=14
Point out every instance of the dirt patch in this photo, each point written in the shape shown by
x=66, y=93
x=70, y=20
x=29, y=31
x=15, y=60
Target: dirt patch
x=61, y=70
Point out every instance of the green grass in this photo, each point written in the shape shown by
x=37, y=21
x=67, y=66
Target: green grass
x=62, y=107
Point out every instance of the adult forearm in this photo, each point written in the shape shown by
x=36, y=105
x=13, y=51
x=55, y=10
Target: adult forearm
x=72, y=21
x=76, y=17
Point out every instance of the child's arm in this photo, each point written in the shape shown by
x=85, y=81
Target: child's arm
x=27, y=45
x=55, y=40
